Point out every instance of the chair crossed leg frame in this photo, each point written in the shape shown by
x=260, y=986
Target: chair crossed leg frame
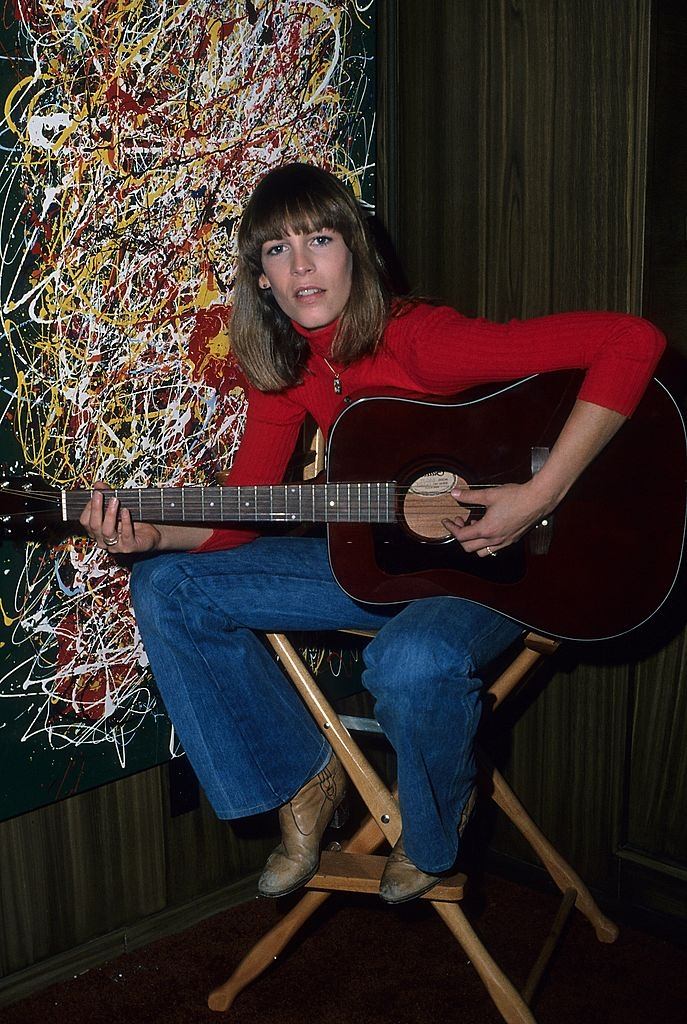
x=354, y=869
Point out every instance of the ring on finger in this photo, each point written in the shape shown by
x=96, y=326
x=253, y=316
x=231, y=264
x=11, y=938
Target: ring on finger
x=487, y=549
x=111, y=540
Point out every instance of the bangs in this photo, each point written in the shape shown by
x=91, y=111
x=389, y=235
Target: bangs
x=299, y=199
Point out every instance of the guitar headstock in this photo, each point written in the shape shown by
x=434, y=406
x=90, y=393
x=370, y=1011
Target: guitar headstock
x=28, y=506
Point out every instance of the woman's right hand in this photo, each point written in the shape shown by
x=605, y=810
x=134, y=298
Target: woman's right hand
x=112, y=528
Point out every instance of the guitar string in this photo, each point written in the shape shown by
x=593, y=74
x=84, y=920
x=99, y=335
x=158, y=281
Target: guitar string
x=153, y=493
x=261, y=504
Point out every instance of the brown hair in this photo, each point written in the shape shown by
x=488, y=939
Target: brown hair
x=302, y=198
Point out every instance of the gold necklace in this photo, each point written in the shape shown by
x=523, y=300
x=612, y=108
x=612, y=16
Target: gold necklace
x=338, y=389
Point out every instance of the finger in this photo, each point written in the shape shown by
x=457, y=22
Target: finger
x=92, y=515
x=473, y=498
x=471, y=536
x=454, y=527
x=472, y=544
x=109, y=526
x=470, y=539
x=126, y=529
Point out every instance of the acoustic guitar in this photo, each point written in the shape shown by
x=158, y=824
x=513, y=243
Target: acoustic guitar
x=602, y=564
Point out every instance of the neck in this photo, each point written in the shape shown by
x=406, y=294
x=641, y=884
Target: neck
x=279, y=503
x=319, y=338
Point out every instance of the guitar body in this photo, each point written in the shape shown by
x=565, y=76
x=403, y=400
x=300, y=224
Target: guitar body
x=605, y=561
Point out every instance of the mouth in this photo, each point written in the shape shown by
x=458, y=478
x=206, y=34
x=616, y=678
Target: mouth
x=307, y=293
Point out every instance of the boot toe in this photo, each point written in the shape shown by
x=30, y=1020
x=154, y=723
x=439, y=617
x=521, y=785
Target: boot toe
x=402, y=880
x=282, y=875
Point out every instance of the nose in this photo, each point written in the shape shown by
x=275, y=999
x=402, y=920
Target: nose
x=301, y=259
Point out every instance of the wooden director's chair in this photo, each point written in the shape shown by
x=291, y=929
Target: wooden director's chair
x=356, y=869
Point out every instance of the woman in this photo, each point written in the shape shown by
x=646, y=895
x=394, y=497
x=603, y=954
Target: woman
x=312, y=322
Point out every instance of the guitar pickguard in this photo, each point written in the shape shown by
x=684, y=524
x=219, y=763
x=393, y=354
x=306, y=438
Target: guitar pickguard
x=398, y=553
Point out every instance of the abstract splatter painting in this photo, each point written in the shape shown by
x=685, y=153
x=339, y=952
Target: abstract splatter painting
x=133, y=132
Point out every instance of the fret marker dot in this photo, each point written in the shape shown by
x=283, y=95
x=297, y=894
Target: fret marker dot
x=331, y=504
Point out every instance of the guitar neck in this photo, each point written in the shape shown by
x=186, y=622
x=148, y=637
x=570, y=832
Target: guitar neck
x=281, y=503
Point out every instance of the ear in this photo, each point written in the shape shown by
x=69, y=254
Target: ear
x=263, y=282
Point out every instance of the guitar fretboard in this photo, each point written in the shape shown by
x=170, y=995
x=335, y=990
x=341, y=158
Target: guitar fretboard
x=281, y=503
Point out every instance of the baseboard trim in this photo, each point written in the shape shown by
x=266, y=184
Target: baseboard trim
x=98, y=951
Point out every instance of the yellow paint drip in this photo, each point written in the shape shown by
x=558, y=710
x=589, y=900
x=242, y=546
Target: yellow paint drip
x=7, y=621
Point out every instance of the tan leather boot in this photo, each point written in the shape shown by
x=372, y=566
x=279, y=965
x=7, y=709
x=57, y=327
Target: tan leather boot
x=402, y=880
x=302, y=822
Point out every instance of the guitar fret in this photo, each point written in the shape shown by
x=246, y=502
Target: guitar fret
x=319, y=503
x=289, y=503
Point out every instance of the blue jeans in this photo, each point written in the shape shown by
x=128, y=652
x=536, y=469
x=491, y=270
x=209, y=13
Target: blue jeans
x=249, y=737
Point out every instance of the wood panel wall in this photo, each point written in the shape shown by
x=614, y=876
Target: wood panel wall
x=88, y=878
x=522, y=174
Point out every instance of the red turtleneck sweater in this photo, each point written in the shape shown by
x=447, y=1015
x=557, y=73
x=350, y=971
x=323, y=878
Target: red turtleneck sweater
x=435, y=350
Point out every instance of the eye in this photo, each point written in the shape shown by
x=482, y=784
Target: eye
x=322, y=240
x=274, y=249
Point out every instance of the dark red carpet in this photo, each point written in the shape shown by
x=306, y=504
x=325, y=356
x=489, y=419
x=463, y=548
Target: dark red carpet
x=363, y=963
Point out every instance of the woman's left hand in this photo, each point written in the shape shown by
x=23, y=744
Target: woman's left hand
x=511, y=510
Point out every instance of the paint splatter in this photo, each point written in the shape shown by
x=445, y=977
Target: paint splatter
x=135, y=133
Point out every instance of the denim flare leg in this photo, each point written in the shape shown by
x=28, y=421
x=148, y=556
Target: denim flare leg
x=250, y=739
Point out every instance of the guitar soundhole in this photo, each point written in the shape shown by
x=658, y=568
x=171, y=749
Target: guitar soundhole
x=428, y=502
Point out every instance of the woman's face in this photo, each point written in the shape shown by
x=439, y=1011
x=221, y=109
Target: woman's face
x=310, y=275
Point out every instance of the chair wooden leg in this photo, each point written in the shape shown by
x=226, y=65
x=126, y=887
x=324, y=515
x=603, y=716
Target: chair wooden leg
x=366, y=840
x=558, y=868
x=265, y=951
x=378, y=800
x=505, y=996
x=549, y=947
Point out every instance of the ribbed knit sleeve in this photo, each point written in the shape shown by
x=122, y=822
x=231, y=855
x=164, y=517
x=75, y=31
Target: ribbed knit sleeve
x=268, y=442
x=443, y=351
